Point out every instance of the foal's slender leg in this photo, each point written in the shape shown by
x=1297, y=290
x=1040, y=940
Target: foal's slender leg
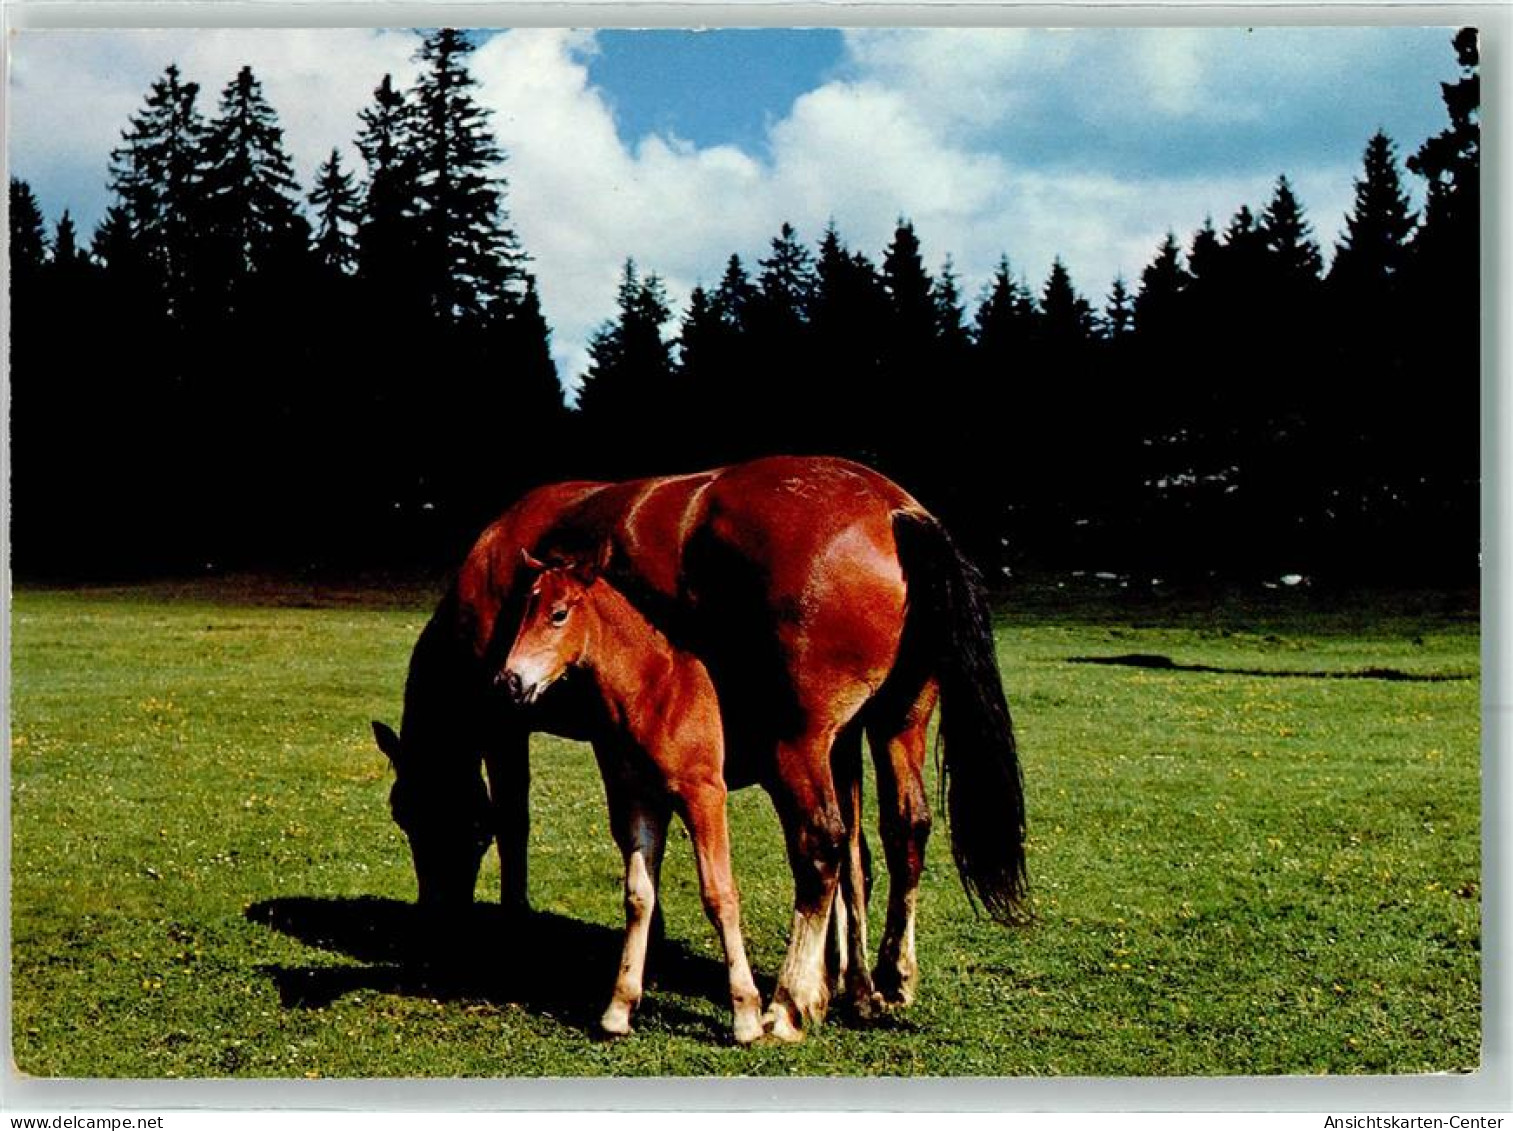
x=704, y=811
x=847, y=950
x=804, y=795
x=899, y=749
x=640, y=828
x=656, y=942
x=507, y=757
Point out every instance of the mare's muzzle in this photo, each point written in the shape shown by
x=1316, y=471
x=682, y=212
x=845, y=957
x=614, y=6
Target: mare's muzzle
x=512, y=685
x=446, y=873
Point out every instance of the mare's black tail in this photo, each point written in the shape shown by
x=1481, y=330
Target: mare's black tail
x=948, y=618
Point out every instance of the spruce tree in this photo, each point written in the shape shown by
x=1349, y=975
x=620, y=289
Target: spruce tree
x=534, y=390
x=850, y=302
x=1158, y=307
x=733, y=299
x=625, y=400
x=699, y=335
x=1370, y=308
x=713, y=340
x=779, y=333
x=1288, y=238
x=392, y=342
x=910, y=293
x=466, y=254
x=336, y=202
x=1074, y=406
x=38, y=430
x=905, y=422
x=1444, y=290
x=28, y=234
x=1005, y=320
x=1204, y=253
x=441, y=268
x=708, y=347
x=255, y=227
x=1207, y=310
x=1244, y=249
x=1447, y=247
x=254, y=256
x=518, y=392
x=1066, y=318
x=1374, y=247
x=850, y=306
x=67, y=255
x=386, y=234
x=950, y=316
x=1451, y=160
x=786, y=283
x=157, y=176
x=1277, y=404
x=161, y=293
x=114, y=245
x=1006, y=371
x=1119, y=313
x=953, y=416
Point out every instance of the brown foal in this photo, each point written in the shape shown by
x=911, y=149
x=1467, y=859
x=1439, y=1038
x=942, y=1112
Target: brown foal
x=660, y=749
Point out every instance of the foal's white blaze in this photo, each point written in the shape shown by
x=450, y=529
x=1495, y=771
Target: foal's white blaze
x=535, y=673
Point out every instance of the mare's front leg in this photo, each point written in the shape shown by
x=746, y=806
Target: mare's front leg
x=507, y=757
x=703, y=805
x=640, y=829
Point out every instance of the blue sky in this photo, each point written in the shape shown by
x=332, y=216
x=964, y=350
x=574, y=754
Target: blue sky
x=680, y=148
x=719, y=87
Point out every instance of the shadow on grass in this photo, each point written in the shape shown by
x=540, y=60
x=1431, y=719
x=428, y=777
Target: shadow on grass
x=548, y=964
x=1167, y=664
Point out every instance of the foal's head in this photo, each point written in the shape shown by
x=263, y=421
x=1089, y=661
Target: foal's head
x=554, y=630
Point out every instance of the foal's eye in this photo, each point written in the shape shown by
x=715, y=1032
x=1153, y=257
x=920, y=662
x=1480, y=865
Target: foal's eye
x=559, y=616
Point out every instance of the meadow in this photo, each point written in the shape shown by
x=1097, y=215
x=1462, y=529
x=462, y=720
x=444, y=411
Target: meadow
x=1254, y=849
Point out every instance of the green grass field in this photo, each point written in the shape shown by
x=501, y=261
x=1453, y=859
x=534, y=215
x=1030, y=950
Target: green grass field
x=1234, y=871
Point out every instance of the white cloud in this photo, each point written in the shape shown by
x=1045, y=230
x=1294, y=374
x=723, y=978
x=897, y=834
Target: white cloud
x=584, y=202
x=913, y=127
x=72, y=92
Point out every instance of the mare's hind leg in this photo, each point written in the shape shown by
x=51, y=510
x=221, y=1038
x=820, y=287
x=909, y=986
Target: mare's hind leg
x=846, y=953
x=703, y=805
x=804, y=793
x=507, y=757
x=640, y=829
x=899, y=747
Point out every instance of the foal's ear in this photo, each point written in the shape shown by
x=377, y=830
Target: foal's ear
x=387, y=741
x=588, y=569
x=532, y=563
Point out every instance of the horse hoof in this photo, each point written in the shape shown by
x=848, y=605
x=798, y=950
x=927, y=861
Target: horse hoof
x=868, y=1007
x=778, y=1026
x=614, y=1024
x=893, y=990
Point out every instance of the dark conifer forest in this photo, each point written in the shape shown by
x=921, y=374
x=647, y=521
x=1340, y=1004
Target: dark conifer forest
x=236, y=371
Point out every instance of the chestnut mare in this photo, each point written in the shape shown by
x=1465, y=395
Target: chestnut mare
x=658, y=741
x=826, y=604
